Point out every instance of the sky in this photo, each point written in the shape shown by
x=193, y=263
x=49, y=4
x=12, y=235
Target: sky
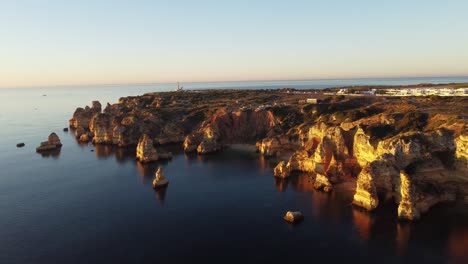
x=45, y=43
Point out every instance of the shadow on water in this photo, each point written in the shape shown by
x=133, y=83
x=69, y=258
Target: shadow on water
x=55, y=153
x=160, y=194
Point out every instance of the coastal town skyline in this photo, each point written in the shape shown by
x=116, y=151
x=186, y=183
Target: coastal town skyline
x=107, y=42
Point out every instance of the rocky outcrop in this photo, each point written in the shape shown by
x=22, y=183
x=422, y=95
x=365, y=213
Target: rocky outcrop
x=146, y=152
x=160, y=181
x=388, y=172
x=407, y=207
x=293, y=217
x=281, y=170
x=335, y=154
x=276, y=145
x=461, y=153
x=101, y=126
x=366, y=191
x=322, y=183
x=52, y=143
x=82, y=116
x=230, y=127
x=324, y=153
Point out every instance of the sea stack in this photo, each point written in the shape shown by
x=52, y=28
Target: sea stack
x=160, y=181
x=52, y=143
x=145, y=151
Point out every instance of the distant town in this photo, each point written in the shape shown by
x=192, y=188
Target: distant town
x=407, y=92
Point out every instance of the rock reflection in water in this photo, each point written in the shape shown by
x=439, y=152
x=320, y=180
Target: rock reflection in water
x=121, y=154
x=160, y=194
x=402, y=237
x=363, y=222
x=458, y=246
x=146, y=170
x=54, y=153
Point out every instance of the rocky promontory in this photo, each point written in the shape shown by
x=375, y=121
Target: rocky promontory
x=409, y=150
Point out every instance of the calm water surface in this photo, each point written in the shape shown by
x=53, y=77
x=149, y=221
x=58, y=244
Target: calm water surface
x=83, y=206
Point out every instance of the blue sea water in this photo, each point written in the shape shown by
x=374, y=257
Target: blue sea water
x=95, y=204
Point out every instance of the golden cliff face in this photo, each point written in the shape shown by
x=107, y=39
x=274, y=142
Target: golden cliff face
x=145, y=151
x=461, y=153
x=397, y=167
x=233, y=127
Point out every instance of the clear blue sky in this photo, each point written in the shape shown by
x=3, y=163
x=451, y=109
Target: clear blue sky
x=98, y=41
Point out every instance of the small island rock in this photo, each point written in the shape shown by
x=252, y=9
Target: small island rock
x=293, y=217
x=52, y=143
x=160, y=180
x=20, y=145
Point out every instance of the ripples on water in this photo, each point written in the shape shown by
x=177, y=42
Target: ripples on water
x=88, y=203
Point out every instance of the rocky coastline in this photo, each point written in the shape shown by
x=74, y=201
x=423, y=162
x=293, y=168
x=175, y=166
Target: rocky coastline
x=413, y=151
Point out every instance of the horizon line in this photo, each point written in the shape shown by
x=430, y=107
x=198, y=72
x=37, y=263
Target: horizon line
x=70, y=85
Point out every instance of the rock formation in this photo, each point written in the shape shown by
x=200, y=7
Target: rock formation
x=146, y=152
x=52, y=143
x=160, y=181
x=281, y=170
x=414, y=168
x=230, y=127
x=82, y=116
x=365, y=141
x=407, y=207
x=293, y=217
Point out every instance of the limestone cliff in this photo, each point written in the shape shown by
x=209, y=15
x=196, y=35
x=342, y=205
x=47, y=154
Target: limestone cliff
x=230, y=127
x=414, y=168
x=146, y=152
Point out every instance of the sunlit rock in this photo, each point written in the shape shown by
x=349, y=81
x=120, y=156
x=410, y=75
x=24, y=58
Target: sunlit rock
x=407, y=207
x=293, y=217
x=160, y=181
x=145, y=151
x=281, y=170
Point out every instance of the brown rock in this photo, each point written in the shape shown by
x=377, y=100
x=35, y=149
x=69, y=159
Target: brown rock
x=160, y=181
x=52, y=143
x=293, y=217
x=281, y=170
x=145, y=150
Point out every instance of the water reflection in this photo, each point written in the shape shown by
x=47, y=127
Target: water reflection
x=146, y=170
x=54, y=153
x=458, y=245
x=280, y=184
x=121, y=155
x=160, y=194
x=363, y=222
x=402, y=237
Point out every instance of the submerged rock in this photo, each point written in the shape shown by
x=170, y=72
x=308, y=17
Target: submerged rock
x=52, y=143
x=293, y=217
x=160, y=181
